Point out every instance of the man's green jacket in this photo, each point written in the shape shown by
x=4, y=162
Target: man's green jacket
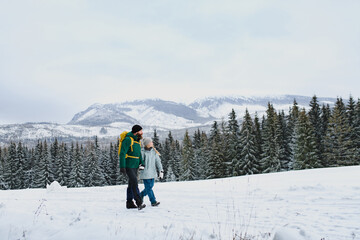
x=130, y=155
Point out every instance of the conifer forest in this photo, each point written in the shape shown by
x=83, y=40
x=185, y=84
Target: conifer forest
x=319, y=137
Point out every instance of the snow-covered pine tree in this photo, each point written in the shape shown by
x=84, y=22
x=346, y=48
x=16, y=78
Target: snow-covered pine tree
x=54, y=159
x=197, y=153
x=283, y=141
x=233, y=149
x=324, y=119
x=351, y=117
x=94, y=175
x=187, y=172
x=170, y=176
x=216, y=155
x=258, y=140
x=356, y=129
x=176, y=156
x=249, y=164
x=62, y=162
x=30, y=168
x=315, y=121
x=3, y=185
x=338, y=147
x=103, y=163
x=11, y=166
x=224, y=166
x=113, y=164
x=42, y=166
x=292, y=121
x=204, y=156
x=270, y=158
x=350, y=111
x=305, y=144
x=20, y=172
x=156, y=142
x=106, y=166
x=166, y=154
x=77, y=168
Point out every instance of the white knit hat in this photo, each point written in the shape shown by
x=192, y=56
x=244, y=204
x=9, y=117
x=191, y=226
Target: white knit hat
x=147, y=141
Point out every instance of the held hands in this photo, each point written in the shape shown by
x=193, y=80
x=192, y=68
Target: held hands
x=161, y=175
x=141, y=167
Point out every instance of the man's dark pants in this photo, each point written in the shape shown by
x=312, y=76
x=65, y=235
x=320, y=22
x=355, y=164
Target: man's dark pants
x=133, y=189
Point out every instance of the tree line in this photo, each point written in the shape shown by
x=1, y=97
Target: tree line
x=300, y=139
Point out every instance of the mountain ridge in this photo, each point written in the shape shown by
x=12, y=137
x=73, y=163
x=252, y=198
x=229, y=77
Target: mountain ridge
x=107, y=120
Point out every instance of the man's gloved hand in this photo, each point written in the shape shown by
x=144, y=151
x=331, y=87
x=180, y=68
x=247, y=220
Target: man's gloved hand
x=141, y=167
x=161, y=175
x=123, y=170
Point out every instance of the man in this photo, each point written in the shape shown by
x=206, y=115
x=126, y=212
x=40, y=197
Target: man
x=130, y=160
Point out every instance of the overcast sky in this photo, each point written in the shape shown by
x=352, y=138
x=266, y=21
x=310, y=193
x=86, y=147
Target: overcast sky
x=59, y=57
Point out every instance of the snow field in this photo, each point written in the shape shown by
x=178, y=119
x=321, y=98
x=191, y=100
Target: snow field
x=311, y=204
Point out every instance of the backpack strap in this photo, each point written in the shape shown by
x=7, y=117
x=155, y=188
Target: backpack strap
x=132, y=143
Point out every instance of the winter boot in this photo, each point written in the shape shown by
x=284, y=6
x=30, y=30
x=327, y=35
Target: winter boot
x=130, y=204
x=141, y=206
x=155, y=204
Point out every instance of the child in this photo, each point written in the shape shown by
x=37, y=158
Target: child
x=152, y=163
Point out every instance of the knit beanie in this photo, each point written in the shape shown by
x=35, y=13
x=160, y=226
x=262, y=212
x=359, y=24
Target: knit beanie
x=136, y=128
x=147, y=141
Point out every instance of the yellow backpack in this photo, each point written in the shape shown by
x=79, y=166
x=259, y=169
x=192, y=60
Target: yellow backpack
x=121, y=139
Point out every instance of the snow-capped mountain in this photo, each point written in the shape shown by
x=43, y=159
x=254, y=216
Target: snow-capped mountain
x=108, y=120
x=156, y=113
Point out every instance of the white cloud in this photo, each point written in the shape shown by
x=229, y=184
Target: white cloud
x=80, y=52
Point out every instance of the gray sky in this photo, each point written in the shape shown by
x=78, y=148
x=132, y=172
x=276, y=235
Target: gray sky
x=59, y=57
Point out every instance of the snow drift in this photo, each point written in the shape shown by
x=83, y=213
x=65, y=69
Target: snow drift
x=298, y=205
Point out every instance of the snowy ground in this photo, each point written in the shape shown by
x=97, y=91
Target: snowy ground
x=312, y=204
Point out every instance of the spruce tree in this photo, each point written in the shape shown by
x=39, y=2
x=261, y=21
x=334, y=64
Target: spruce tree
x=55, y=161
x=249, y=164
x=94, y=175
x=315, y=120
x=77, y=168
x=216, y=155
x=204, y=156
x=292, y=121
x=283, y=142
x=271, y=149
x=233, y=148
x=258, y=140
x=324, y=119
x=167, y=154
x=113, y=163
x=30, y=168
x=156, y=142
x=3, y=184
x=176, y=156
x=170, y=176
x=356, y=130
x=42, y=168
x=338, y=147
x=197, y=153
x=21, y=162
x=63, y=168
x=350, y=112
x=305, y=144
x=354, y=125
x=187, y=164
x=107, y=168
x=11, y=167
x=225, y=165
